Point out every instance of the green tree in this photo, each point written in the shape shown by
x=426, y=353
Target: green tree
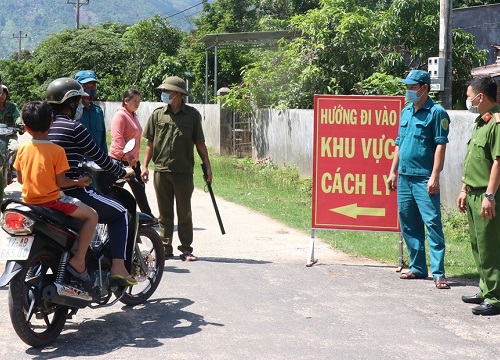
x=344, y=43
x=99, y=48
x=380, y=84
x=465, y=56
x=333, y=55
x=18, y=76
x=154, y=75
x=24, y=55
x=407, y=35
x=146, y=42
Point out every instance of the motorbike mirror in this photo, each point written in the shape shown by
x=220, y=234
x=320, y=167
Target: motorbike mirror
x=129, y=146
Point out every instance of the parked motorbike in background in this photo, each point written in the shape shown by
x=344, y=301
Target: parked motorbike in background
x=42, y=294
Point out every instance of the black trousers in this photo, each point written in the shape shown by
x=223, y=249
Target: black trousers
x=139, y=189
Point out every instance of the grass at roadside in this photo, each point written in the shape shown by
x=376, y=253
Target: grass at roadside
x=281, y=194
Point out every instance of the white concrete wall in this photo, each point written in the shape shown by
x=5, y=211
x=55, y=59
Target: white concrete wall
x=210, y=118
x=286, y=137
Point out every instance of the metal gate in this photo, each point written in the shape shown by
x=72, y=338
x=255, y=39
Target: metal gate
x=242, y=135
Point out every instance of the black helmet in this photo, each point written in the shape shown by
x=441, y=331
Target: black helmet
x=5, y=89
x=62, y=89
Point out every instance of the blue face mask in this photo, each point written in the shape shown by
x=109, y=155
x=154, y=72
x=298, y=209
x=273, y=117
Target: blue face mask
x=411, y=96
x=91, y=93
x=165, y=97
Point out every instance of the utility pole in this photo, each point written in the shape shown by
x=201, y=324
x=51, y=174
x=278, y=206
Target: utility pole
x=445, y=49
x=78, y=4
x=19, y=37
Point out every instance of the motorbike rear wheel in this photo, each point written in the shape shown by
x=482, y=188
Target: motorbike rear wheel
x=147, y=267
x=36, y=321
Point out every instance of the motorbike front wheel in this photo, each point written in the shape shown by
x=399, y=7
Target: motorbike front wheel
x=147, y=267
x=36, y=321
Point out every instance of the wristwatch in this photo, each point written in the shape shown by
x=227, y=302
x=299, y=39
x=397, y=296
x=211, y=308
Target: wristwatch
x=490, y=197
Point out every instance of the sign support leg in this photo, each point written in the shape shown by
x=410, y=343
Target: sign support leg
x=400, y=258
x=311, y=260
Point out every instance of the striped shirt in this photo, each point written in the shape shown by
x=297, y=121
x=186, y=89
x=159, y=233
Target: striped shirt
x=77, y=142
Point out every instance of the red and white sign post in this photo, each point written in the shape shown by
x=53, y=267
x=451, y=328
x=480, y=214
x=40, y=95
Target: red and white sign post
x=353, y=152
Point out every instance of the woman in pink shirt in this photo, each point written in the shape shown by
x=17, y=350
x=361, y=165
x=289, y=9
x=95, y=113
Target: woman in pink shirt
x=125, y=126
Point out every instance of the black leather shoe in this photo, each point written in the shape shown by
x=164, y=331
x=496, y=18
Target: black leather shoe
x=485, y=309
x=472, y=299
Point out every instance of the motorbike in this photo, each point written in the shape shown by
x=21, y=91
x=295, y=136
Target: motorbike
x=7, y=168
x=42, y=294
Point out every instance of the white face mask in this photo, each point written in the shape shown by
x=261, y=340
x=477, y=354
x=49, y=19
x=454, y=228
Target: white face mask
x=79, y=111
x=473, y=109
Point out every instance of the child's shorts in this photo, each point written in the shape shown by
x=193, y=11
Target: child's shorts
x=65, y=204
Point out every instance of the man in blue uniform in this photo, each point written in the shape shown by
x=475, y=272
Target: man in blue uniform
x=419, y=158
x=93, y=116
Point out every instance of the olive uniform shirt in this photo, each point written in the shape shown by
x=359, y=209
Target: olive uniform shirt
x=483, y=148
x=10, y=114
x=174, y=136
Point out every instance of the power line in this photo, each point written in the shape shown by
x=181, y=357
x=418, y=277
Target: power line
x=189, y=8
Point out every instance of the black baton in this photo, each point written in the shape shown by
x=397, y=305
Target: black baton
x=209, y=185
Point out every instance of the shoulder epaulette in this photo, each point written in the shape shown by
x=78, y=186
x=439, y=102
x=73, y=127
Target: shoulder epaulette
x=497, y=118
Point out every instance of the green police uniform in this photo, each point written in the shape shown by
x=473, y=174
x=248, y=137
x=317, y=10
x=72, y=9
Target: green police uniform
x=174, y=137
x=482, y=149
x=10, y=116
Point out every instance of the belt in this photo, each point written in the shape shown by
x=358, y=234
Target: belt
x=472, y=188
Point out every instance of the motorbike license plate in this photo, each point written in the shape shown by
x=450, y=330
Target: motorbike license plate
x=15, y=247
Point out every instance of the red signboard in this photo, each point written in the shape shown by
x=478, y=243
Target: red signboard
x=353, y=152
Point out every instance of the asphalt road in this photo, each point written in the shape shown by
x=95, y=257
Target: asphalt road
x=250, y=296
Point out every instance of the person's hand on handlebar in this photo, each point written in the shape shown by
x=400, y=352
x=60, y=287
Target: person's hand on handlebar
x=132, y=161
x=129, y=172
x=84, y=181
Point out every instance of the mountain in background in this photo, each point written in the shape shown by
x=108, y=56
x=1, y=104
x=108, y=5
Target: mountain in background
x=34, y=21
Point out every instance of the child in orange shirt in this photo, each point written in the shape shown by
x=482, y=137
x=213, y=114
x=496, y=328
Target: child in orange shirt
x=41, y=167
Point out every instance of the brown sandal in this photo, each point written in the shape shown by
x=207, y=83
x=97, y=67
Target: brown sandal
x=441, y=283
x=412, y=276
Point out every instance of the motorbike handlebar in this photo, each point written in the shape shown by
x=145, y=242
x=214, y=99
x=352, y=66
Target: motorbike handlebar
x=11, y=130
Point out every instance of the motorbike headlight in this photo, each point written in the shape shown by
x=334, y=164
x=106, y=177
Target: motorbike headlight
x=15, y=223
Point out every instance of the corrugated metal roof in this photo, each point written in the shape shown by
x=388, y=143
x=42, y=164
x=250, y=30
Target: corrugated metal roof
x=492, y=70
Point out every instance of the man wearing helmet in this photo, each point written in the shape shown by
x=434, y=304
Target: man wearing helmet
x=172, y=131
x=9, y=115
x=64, y=94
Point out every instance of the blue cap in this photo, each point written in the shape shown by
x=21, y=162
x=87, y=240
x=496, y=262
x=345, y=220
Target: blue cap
x=85, y=76
x=417, y=77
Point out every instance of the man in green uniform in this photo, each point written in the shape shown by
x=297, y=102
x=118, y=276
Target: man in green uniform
x=478, y=194
x=9, y=115
x=172, y=131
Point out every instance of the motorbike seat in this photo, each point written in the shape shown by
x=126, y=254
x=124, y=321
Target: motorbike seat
x=52, y=215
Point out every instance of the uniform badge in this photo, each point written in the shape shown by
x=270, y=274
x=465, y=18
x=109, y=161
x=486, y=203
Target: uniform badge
x=445, y=123
x=497, y=118
x=487, y=117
